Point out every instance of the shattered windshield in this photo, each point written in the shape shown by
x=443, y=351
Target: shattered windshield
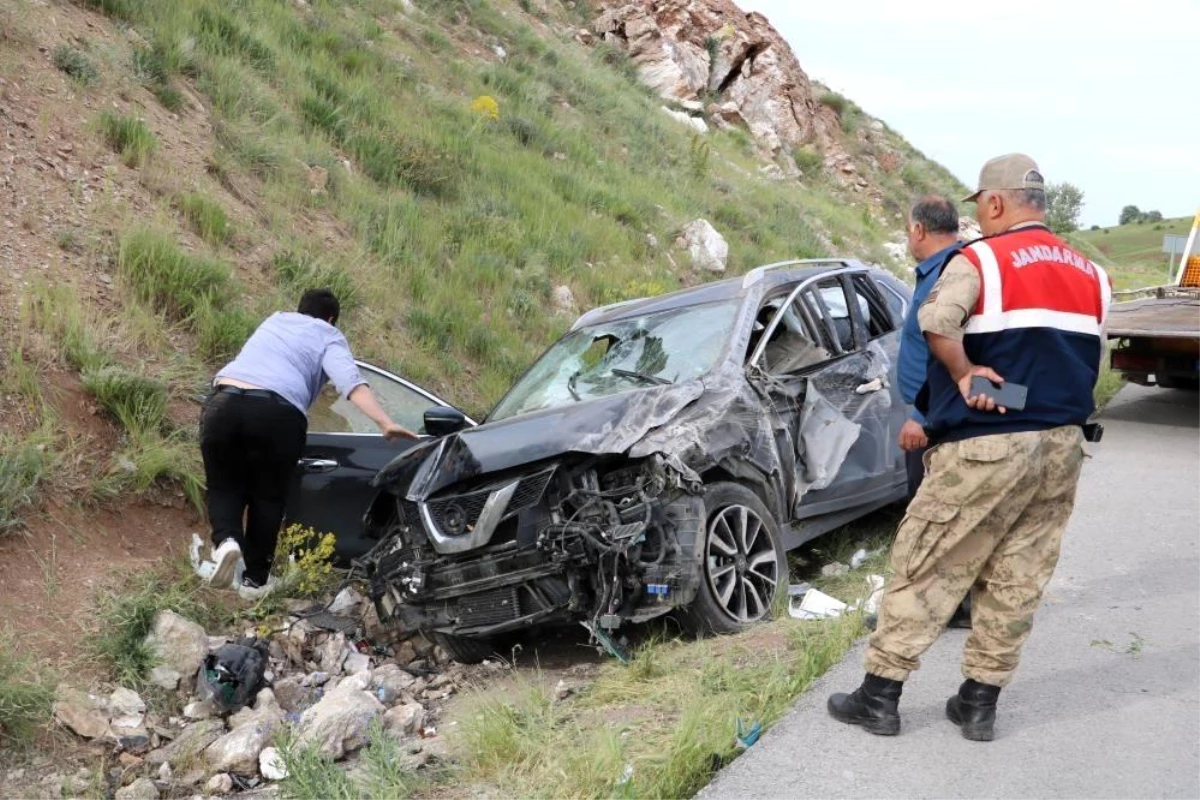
x=632, y=353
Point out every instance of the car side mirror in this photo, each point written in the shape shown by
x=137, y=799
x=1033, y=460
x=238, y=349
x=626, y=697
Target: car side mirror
x=444, y=420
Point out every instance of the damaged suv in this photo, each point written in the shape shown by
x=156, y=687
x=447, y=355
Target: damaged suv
x=662, y=456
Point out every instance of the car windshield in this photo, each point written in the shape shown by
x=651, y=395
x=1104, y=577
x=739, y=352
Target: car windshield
x=666, y=347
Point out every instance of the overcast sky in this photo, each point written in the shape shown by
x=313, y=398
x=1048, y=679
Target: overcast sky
x=1107, y=100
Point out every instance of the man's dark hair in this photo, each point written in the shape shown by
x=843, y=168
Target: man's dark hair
x=320, y=303
x=937, y=214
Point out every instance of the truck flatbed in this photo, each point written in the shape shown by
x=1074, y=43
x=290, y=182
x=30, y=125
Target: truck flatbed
x=1175, y=315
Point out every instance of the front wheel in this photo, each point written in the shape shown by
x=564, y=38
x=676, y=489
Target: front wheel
x=743, y=564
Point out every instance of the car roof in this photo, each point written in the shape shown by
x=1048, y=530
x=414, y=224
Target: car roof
x=762, y=279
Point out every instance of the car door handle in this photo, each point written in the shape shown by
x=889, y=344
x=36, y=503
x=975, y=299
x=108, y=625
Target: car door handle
x=318, y=464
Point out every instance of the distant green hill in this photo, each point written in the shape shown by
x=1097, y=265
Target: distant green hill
x=1134, y=252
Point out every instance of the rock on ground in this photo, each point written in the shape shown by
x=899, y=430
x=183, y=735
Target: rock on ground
x=141, y=789
x=164, y=677
x=178, y=642
x=191, y=742
x=389, y=682
x=707, y=247
x=407, y=718
x=221, y=783
x=338, y=724
x=80, y=712
x=271, y=765
x=252, y=730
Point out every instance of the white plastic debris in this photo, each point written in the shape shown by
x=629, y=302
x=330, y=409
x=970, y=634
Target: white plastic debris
x=871, y=606
x=858, y=558
x=815, y=604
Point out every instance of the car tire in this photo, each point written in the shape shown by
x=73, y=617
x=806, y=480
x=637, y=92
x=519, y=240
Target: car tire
x=743, y=565
x=464, y=649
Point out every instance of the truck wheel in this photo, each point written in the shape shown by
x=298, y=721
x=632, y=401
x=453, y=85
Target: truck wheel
x=743, y=562
x=1170, y=382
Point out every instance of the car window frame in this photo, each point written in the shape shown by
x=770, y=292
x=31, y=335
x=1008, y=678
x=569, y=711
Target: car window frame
x=877, y=305
x=369, y=371
x=756, y=359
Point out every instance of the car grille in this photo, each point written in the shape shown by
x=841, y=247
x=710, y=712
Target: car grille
x=489, y=608
x=456, y=514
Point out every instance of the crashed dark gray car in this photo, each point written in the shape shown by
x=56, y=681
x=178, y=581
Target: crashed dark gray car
x=662, y=456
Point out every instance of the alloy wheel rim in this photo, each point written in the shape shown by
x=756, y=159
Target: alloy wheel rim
x=741, y=564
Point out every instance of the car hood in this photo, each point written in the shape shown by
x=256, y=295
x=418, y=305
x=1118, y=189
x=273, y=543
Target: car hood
x=605, y=425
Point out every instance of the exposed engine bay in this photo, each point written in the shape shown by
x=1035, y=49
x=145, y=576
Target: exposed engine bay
x=606, y=540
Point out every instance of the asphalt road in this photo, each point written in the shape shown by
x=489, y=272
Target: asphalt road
x=1107, y=700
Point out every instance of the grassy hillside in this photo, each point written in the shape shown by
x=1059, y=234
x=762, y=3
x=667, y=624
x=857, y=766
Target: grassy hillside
x=1134, y=252
x=445, y=166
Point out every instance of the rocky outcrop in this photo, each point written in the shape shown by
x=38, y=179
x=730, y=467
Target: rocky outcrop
x=710, y=50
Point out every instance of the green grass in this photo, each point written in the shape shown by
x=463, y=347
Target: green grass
x=206, y=217
x=24, y=465
x=172, y=280
x=76, y=64
x=1132, y=254
x=137, y=401
x=381, y=773
x=127, y=136
x=659, y=727
x=25, y=696
x=70, y=329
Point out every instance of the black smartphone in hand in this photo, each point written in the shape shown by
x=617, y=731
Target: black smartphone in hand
x=1008, y=394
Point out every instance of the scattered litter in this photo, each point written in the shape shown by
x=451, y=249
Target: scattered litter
x=833, y=570
x=798, y=589
x=856, y=560
x=606, y=642
x=747, y=737
x=626, y=775
x=232, y=675
x=815, y=604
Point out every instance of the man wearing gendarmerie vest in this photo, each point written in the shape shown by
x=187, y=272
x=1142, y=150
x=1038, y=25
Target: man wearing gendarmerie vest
x=1019, y=305
x=254, y=425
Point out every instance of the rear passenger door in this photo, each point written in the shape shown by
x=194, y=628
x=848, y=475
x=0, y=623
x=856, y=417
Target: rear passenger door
x=331, y=490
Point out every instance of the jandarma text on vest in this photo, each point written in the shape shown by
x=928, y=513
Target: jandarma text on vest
x=1030, y=255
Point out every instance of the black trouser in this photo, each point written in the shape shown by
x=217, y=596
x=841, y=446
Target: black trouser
x=914, y=462
x=250, y=444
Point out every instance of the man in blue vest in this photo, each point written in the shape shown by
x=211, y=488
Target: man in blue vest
x=932, y=240
x=1019, y=306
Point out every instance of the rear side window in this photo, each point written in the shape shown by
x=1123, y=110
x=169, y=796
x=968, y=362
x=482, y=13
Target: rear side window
x=878, y=313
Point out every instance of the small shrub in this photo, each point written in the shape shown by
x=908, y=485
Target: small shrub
x=221, y=330
x=393, y=159
x=486, y=107
x=25, y=696
x=138, y=401
x=76, y=64
x=808, y=161
x=301, y=271
x=23, y=466
x=312, y=557
x=162, y=274
x=151, y=459
x=170, y=97
x=699, y=154
x=59, y=314
x=128, y=136
x=206, y=217
x=834, y=101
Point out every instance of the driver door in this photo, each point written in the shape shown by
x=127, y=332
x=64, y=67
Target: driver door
x=331, y=490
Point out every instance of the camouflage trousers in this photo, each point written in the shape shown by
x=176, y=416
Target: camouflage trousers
x=989, y=518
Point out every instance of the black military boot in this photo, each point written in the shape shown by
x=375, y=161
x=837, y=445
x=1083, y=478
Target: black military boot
x=962, y=614
x=974, y=710
x=872, y=705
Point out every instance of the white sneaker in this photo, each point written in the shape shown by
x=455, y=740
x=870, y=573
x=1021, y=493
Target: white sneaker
x=251, y=591
x=225, y=559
